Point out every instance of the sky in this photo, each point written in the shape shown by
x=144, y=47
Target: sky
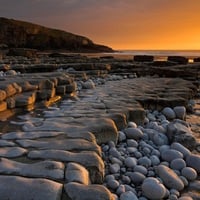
x=120, y=24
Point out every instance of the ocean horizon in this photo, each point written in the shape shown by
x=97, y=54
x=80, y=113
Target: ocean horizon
x=160, y=54
x=187, y=53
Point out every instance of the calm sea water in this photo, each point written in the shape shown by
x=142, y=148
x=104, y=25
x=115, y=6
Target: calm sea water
x=162, y=54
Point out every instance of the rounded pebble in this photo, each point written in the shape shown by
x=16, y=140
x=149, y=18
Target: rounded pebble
x=177, y=164
x=113, y=184
x=169, y=113
x=144, y=161
x=130, y=162
x=153, y=189
x=189, y=173
x=128, y=196
x=171, y=154
x=180, y=112
x=133, y=133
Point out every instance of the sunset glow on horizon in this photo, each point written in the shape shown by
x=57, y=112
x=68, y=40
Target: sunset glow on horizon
x=120, y=24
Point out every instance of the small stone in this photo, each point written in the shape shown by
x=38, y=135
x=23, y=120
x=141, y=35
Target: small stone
x=113, y=184
x=193, y=161
x=141, y=169
x=180, y=112
x=173, y=197
x=154, y=160
x=185, y=181
x=169, y=113
x=133, y=133
x=126, y=179
x=122, y=136
x=114, y=168
x=132, y=125
x=136, y=177
x=179, y=147
x=121, y=189
x=144, y=161
x=171, y=154
x=132, y=143
x=177, y=164
x=130, y=162
x=129, y=195
x=189, y=173
x=153, y=189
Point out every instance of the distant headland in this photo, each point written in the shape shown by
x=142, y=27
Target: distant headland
x=20, y=34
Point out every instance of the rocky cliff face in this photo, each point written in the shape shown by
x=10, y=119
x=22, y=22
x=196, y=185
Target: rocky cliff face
x=19, y=34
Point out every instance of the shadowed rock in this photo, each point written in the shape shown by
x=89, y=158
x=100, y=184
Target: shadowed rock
x=178, y=59
x=143, y=58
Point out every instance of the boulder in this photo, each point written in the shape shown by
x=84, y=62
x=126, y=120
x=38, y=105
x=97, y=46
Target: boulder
x=143, y=58
x=178, y=59
x=196, y=59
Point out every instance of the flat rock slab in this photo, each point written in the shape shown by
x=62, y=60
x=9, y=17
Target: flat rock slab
x=87, y=192
x=64, y=144
x=30, y=135
x=104, y=129
x=5, y=143
x=44, y=169
x=47, y=134
x=90, y=160
x=19, y=188
x=12, y=152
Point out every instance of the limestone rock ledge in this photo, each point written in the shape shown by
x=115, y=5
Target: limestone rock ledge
x=24, y=90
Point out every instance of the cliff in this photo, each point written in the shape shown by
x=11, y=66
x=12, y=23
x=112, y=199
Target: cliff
x=19, y=34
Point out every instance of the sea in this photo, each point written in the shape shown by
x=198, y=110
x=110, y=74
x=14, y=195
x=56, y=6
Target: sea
x=161, y=54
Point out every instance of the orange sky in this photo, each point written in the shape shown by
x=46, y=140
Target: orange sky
x=121, y=24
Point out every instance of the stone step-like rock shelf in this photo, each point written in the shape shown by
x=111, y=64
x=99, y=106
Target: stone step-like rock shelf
x=27, y=89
